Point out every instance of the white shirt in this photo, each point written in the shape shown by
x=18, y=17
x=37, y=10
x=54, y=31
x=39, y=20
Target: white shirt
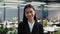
x=31, y=25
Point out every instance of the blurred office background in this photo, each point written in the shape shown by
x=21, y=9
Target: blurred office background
x=47, y=13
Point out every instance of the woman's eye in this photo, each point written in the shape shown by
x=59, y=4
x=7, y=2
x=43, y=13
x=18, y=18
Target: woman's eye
x=26, y=12
x=30, y=11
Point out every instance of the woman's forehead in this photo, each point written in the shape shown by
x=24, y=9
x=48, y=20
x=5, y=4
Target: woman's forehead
x=29, y=9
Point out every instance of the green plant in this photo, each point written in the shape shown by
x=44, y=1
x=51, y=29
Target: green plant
x=3, y=30
x=58, y=31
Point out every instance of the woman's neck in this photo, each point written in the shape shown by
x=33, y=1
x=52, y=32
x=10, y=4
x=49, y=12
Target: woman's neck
x=31, y=20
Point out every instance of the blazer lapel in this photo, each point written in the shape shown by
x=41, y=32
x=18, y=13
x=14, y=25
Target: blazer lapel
x=34, y=27
x=27, y=28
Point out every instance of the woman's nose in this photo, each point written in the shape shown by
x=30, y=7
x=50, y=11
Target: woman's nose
x=29, y=14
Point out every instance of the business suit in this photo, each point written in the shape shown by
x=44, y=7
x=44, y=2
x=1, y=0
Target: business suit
x=23, y=28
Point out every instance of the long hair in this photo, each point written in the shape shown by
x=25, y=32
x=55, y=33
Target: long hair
x=24, y=17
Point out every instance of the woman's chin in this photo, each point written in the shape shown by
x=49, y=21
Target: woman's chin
x=30, y=18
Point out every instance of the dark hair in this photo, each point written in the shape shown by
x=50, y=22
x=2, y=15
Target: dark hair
x=24, y=17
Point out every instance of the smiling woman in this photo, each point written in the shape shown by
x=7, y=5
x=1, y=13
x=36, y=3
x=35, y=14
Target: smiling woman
x=30, y=24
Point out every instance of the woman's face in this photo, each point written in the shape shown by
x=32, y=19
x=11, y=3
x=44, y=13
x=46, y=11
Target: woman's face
x=29, y=13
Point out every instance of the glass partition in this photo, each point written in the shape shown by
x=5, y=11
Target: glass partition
x=1, y=13
x=11, y=12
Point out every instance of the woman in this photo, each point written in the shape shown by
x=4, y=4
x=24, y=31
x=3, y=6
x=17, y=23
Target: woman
x=30, y=24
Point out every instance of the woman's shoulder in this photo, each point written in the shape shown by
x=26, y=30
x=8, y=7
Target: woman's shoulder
x=39, y=24
x=20, y=23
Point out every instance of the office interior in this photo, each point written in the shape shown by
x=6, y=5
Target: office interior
x=47, y=12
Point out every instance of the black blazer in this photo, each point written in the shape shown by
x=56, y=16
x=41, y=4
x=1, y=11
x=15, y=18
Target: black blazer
x=23, y=28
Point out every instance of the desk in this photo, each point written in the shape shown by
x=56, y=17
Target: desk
x=45, y=32
x=50, y=29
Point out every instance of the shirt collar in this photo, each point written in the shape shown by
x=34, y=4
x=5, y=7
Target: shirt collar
x=31, y=23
